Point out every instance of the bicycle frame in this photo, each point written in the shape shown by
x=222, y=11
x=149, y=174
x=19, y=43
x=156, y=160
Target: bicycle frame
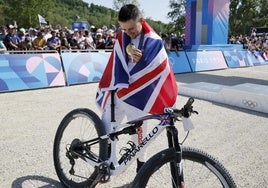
x=165, y=122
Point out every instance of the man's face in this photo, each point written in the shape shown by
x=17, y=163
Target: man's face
x=132, y=27
x=12, y=31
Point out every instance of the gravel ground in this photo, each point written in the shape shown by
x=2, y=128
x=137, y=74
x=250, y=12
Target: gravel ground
x=29, y=119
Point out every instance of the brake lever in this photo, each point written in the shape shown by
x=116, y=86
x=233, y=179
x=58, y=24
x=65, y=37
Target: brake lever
x=195, y=112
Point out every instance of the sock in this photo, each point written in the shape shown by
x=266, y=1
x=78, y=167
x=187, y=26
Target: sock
x=139, y=165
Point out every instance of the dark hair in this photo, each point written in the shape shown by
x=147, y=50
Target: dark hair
x=129, y=12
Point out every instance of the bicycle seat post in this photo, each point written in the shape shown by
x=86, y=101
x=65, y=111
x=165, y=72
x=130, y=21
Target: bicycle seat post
x=112, y=106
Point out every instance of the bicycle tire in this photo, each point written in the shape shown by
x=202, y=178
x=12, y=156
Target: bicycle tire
x=199, y=168
x=82, y=124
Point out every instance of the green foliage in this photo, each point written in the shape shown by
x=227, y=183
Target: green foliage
x=177, y=15
x=23, y=12
x=242, y=13
x=117, y=4
x=62, y=12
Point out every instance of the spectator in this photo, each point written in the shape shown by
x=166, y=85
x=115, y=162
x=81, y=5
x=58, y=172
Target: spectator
x=100, y=41
x=53, y=42
x=3, y=48
x=93, y=31
x=3, y=32
x=64, y=42
x=89, y=42
x=265, y=42
x=265, y=53
x=80, y=41
x=83, y=30
x=109, y=43
x=11, y=41
x=174, y=42
x=72, y=40
x=181, y=42
x=167, y=42
x=47, y=34
x=23, y=45
x=39, y=42
x=30, y=36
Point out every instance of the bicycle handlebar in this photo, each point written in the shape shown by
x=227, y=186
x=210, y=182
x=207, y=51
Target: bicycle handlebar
x=186, y=111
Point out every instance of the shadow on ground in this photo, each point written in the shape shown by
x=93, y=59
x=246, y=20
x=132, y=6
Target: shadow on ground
x=35, y=182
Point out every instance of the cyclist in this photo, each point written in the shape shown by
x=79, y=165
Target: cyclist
x=143, y=79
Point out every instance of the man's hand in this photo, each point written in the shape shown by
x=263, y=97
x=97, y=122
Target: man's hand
x=134, y=52
x=137, y=54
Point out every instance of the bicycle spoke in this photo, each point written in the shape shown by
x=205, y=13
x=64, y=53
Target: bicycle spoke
x=73, y=145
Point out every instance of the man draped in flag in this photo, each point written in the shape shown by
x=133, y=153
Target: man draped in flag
x=140, y=72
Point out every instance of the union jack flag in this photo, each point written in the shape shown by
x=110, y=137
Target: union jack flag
x=164, y=120
x=150, y=85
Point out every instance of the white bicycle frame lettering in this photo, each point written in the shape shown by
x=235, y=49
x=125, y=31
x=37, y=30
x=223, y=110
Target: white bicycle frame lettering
x=152, y=135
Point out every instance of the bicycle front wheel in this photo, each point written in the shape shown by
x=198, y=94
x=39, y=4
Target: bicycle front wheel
x=78, y=126
x=199, y=170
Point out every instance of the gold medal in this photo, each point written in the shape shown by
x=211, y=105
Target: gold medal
x=130, y=49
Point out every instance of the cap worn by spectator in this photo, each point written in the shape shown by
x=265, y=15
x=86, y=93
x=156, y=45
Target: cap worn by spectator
x=11, y=26
x=22, y=30
x=70, y=32
x=33, y=30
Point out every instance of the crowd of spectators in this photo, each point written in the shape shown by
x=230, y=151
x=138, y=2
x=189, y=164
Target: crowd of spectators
x=13, y=38
x=255, y=42
x=173, y=42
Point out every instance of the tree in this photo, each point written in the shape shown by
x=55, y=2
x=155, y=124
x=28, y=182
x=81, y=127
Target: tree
x=242, y=12
x=245, y=14
x=117, y=4
x=25, y=12
x=177, y=15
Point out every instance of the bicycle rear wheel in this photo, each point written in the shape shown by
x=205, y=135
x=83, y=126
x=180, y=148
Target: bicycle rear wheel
x=199, y=168
x=78, y=126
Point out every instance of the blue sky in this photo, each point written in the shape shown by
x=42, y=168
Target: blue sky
x=156, y=10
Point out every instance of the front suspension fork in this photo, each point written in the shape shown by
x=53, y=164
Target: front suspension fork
x=175, y=166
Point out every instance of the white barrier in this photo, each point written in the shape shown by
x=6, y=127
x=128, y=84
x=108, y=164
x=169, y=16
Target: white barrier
x=248, y=96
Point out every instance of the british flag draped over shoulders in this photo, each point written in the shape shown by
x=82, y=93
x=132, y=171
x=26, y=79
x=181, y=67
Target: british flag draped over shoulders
x=150, y=85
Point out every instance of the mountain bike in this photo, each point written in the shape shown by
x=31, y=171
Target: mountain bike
x=85, y=155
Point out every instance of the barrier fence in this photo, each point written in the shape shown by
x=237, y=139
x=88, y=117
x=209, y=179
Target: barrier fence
x=33, y=70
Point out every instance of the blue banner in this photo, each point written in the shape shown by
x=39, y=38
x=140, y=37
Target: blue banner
x=84, y=67
x=30, y=71
x=206, y=60
x=237, y=58
x=257, y=58
x=179, y=62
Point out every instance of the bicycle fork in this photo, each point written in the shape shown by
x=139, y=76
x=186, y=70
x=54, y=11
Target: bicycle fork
x=175, y=166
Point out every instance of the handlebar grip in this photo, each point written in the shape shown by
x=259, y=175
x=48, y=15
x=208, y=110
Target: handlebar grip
x=187, y=109
x=189, y=103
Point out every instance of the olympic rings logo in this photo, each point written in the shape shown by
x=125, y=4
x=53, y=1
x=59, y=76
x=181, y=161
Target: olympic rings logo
x=249, y=103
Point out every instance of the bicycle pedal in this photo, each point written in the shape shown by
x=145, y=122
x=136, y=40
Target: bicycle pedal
x=104, y=173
